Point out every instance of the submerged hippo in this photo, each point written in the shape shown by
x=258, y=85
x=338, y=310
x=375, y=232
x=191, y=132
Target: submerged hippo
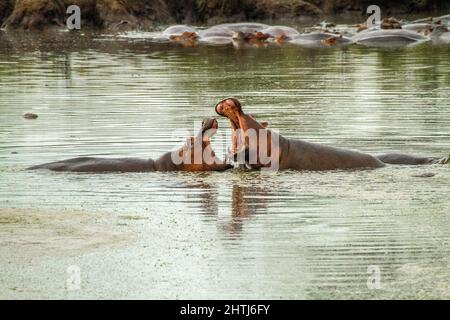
x=216, y=32
x=178, y=30
x=296, y=154
x=243, y=26
x=216, y=36
x=281, y=33
x=321, y=38
x=391, y=37
x=417, y=27
x=390, y=23
x=250, y=37
x=216, y=40
x=183, y=34
x=400, y=37
x=183, y=159
x=444, y=19
x=440, y=34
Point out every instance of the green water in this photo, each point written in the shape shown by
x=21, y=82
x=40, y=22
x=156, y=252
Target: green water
x=234, y=234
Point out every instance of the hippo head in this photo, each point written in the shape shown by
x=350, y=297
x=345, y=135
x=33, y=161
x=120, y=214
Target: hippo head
x=281, y=38
x=438, y=29
x=186, y=35
x=186, y=39
x=252, y=143
x=329, y=41
x=250, y=36
x=197, y=154
x=260, y=36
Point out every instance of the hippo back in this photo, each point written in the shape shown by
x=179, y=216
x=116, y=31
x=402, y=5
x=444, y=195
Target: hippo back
x=304, y=155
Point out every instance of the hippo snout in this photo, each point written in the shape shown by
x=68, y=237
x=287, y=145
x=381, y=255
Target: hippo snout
x=219, y=109
x=228, y=105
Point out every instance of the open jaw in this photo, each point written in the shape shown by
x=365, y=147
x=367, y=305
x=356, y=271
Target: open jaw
x=198, y=151
x=231, y=109
x=209, y=128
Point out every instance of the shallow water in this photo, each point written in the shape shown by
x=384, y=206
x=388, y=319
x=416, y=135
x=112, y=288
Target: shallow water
x=234, y=234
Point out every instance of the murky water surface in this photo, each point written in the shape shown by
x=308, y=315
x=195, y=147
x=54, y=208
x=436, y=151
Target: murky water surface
x=234, y=234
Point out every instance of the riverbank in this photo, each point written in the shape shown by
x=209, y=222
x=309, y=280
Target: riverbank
x=33, y=234
x=145, y=14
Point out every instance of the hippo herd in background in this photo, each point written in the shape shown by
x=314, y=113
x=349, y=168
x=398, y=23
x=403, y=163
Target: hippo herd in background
x=389, y=32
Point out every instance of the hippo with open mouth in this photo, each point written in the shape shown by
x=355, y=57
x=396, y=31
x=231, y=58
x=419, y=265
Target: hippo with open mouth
x=260, y=148
x=195, y=155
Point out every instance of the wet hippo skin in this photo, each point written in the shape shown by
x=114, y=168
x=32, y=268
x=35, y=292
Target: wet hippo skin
x=302, y=155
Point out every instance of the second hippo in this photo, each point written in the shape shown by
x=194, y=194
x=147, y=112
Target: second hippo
x=195, y=155
x=254, y=144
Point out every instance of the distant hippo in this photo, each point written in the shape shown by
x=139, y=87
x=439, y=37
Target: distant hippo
x=389, y=37
x=178, y=30
x=215, y=40
x=390, y=23
x=321, y=38
x=182, y=34
x=281, y=33
x=236, y=33
x=216, y=31
x=296, y=154
x=250, y=36
x=183, y=159
x=440, y=34
x=417, y=27
x=243, y=26
x=216, y=36
x=443, y=19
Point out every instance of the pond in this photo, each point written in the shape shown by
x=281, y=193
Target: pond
x=235, y=234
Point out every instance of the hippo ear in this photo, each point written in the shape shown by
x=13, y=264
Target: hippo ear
x=265, y=124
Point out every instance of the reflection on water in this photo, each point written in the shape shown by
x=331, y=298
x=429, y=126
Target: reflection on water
x=236, y=234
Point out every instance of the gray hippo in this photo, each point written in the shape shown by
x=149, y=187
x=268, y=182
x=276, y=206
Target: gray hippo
x=181, y=34
x=320, y=39
x=443, y=19
x=216, y=31
x=281, y=34
x=198, y=147
x=215, y=40
x=225, y=34
x=216, y=36
x=389, y=37
x=440, y=34
x=246, y=27
x=398, y=37
x=417, y=27
x=178, y=30
x=297, y=154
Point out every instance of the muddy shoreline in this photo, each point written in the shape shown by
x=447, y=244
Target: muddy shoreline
x=30, y=234
x=146, y=14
